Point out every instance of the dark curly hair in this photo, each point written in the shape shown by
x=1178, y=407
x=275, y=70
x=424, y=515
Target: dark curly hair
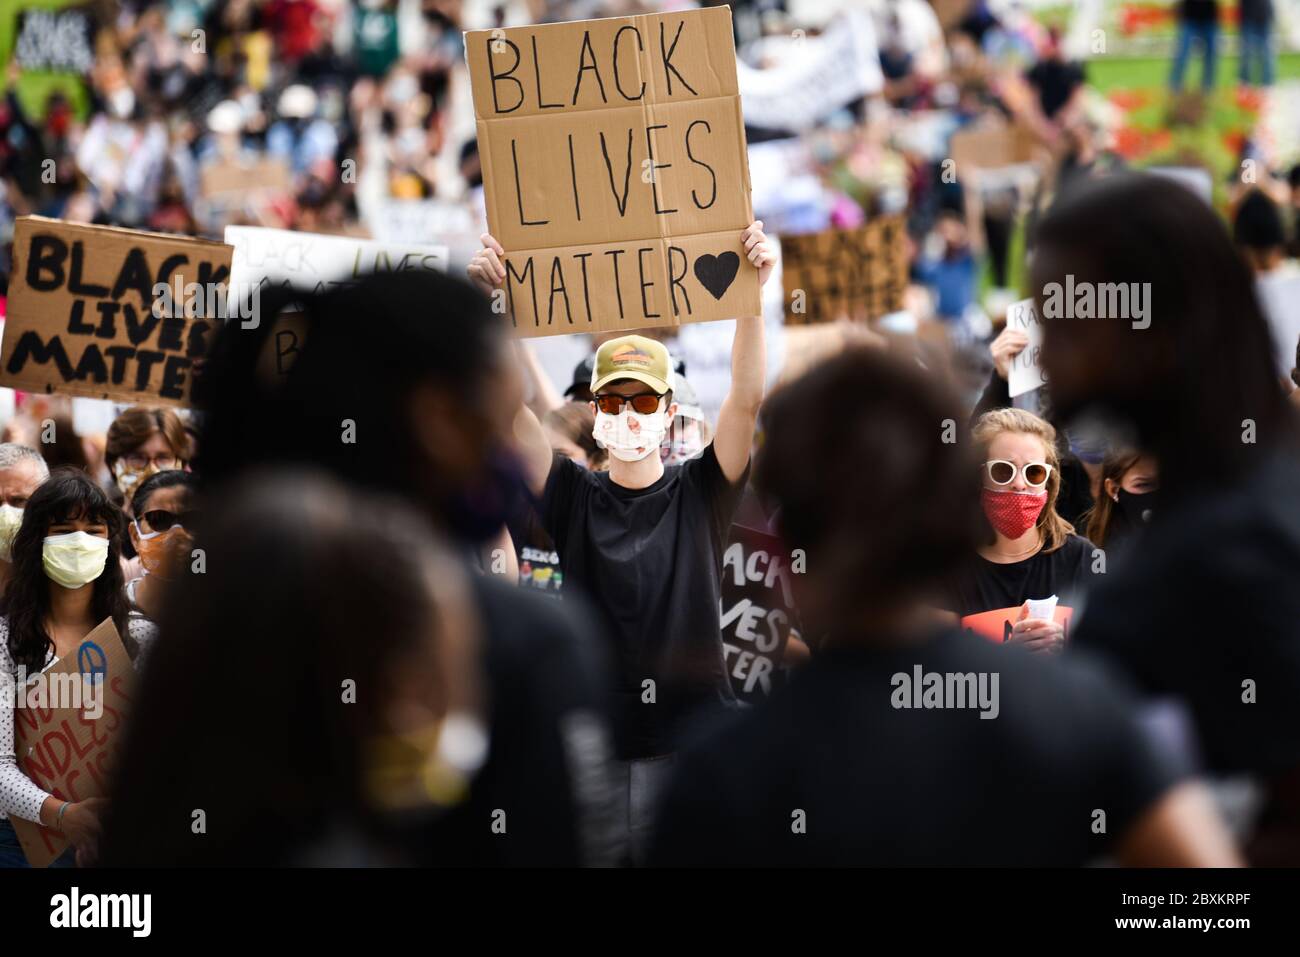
x=67, y=494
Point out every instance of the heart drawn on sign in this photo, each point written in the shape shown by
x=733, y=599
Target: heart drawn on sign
x=717, y=273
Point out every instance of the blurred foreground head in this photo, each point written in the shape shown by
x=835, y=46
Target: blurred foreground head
x=862, y=456
x=399, y=383
x=1180, y=352
x=306, y=688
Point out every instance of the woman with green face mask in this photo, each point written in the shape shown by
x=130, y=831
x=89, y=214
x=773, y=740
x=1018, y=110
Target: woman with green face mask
x=66, y=579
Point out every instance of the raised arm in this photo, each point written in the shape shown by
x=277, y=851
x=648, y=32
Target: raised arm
x=735, y=433
x=488, y=272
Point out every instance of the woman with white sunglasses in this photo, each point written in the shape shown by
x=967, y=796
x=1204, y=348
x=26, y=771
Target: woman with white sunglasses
x=1031, y=554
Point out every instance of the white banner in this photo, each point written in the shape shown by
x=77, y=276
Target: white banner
x=399, y=220
x=810, y=78
x=319, y=263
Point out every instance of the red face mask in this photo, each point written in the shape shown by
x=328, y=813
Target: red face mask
x=1012, y=513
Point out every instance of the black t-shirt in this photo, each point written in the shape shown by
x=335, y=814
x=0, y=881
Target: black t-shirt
x=868, y=783
x=1208, y=602
x=650, y=561
x=985, y=586
x=1257, y=12
x=1055, y=82
x=758, y=610
x=1199, y=11
x=549, y=747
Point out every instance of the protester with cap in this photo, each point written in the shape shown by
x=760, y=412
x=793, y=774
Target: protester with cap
x=644, y=542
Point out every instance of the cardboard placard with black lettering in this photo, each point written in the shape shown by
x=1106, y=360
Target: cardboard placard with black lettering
x=69, y=750
x=838, y=274
x=615, y=172
x=758, y=609
x=109, y=313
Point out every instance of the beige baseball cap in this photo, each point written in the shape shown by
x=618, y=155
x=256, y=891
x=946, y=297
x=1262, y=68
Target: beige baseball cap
x=632, y=357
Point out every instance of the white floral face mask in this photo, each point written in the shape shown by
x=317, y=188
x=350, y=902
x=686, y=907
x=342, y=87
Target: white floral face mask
x=629, y=436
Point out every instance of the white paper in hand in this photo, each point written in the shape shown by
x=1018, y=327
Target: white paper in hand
x=1042, y=607
x=1025, y=374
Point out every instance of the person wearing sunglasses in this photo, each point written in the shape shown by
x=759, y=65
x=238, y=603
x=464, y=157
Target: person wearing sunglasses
x=1030, y=553
x=881, y=779
x=643, y=542
x=162, y=532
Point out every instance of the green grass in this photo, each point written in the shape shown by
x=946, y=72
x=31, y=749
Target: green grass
x=1132, y=73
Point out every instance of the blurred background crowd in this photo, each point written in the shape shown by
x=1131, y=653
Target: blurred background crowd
x=355, y=118
x=336, y=117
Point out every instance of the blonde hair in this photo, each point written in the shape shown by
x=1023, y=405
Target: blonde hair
x=1051, y=527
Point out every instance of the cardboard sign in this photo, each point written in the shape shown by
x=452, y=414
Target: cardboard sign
x=65, y=750
x=1025, y=373
x=55, y=41
x=614, y=171
x=236, y=178
x=845, y=274
x=996, y=625
x=810, y=78
x=988, y=147
x=280, y=257
x=84, y=320
x=758, y=611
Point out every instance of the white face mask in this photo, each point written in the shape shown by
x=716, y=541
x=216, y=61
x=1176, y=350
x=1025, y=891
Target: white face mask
x=10, y=520
x=74, y=559
x=630, y=437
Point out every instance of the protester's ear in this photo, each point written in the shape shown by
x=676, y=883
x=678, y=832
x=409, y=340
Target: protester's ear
x=671, y=411
x=592, y=406
x=1112, y=492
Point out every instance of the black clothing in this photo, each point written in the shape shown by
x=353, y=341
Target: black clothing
x=1211, y=604
x=987, y=586
x=650, y=561
x=830, y=771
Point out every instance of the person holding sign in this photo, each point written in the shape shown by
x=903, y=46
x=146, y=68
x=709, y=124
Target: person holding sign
x=840, y=768
x=1031, y=552
x=644, y=542
x=66, y=580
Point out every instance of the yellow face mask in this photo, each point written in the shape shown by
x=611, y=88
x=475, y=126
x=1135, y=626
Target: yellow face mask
x=433, y=765
x=11, y=519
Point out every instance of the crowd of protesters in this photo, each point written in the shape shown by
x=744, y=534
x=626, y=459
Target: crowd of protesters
x=522, y=575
